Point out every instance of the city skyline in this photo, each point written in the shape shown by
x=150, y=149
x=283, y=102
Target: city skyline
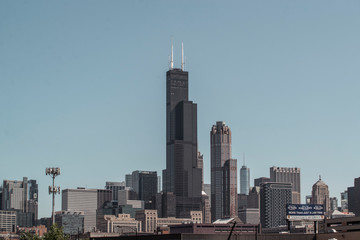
x=82, y=87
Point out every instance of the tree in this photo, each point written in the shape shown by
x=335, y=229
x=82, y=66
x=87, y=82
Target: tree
x=29, y=236
x=55, y=233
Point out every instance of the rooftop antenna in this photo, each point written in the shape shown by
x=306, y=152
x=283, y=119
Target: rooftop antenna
x=243, y=158
x=172, y=56
x=182, y=57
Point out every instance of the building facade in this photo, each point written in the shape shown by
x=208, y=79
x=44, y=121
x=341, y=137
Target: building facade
x=344, y=201
x=165, y=204
x=122, y=223
x=145, y=183
x=244, y=180
x=114, y=187
x=71, y=221
x=333, y=204
x=320, y=194
x=200, y=162
x=150, y=221
x=288, y=175
x=220, y=144
x=258, y=181
x=182, y=175
x=7, y=221
x=230, y=202
x=87, y=201
x=273, y=200
x=354, y=197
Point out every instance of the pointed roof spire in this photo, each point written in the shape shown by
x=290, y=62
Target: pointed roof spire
x=172, y=55
x=182, y=57
x=243, y=158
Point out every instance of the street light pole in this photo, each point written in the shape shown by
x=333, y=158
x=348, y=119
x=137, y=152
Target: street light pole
x=53, y=172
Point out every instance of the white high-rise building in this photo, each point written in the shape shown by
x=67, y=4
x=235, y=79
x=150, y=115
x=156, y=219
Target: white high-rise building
x=86, y=200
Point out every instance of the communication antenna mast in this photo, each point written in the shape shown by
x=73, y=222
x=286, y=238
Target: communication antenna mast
x=243, y=158
x=182, y=57
x=172, y=56
x=53, y=172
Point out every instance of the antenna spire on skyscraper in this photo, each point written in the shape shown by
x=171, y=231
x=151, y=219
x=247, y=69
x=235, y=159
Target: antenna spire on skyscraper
x=172, y=56
x=182, y=57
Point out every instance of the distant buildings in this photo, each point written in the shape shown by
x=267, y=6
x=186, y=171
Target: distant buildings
x=165, y=204
x=288, y=175
x=320, y=194
x=114, y=187
x=344, y=201
x=333, y=204
x=250, y=215
x=258, y=181
x=354, y=197
x=273, y=200
x=22, y=197
x=223, y=173
x=145, y=184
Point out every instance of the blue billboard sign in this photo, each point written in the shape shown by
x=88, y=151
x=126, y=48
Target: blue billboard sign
x=305, y=212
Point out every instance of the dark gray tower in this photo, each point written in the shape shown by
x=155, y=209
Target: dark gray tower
x=182, y=175
x=273, y=200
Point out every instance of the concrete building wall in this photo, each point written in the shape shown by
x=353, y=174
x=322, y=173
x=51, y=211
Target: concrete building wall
x=71, y=221
x=288, y=175
x=82, y=200
x=7, y=221
x=230, y=196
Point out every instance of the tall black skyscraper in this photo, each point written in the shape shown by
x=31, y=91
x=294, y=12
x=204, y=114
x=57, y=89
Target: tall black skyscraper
x=182, y=175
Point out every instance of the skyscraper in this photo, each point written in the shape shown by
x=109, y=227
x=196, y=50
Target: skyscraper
x=145, y=184
x=344, y=201
x=182, y=175
x=81, y=200
x=288, y=175
x=230, y=203
x=244, y=180
x=220, y=144
x=273, y=200
x=333, y=204
x=353, y=194
x=115, y=187
x=200, y=159
x=320, y=194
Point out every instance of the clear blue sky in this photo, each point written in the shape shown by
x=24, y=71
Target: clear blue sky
x=82, y=86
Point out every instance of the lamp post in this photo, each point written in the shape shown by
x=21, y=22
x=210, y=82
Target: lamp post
x=53, y=172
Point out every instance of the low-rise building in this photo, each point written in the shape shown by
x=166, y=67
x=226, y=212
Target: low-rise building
x=71, y=221
x=122, y=223
x=36, y=230
x=250, y=215
x=150, y=220
x=7, y=221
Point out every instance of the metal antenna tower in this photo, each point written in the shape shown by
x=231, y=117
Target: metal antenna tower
x=54, y=172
